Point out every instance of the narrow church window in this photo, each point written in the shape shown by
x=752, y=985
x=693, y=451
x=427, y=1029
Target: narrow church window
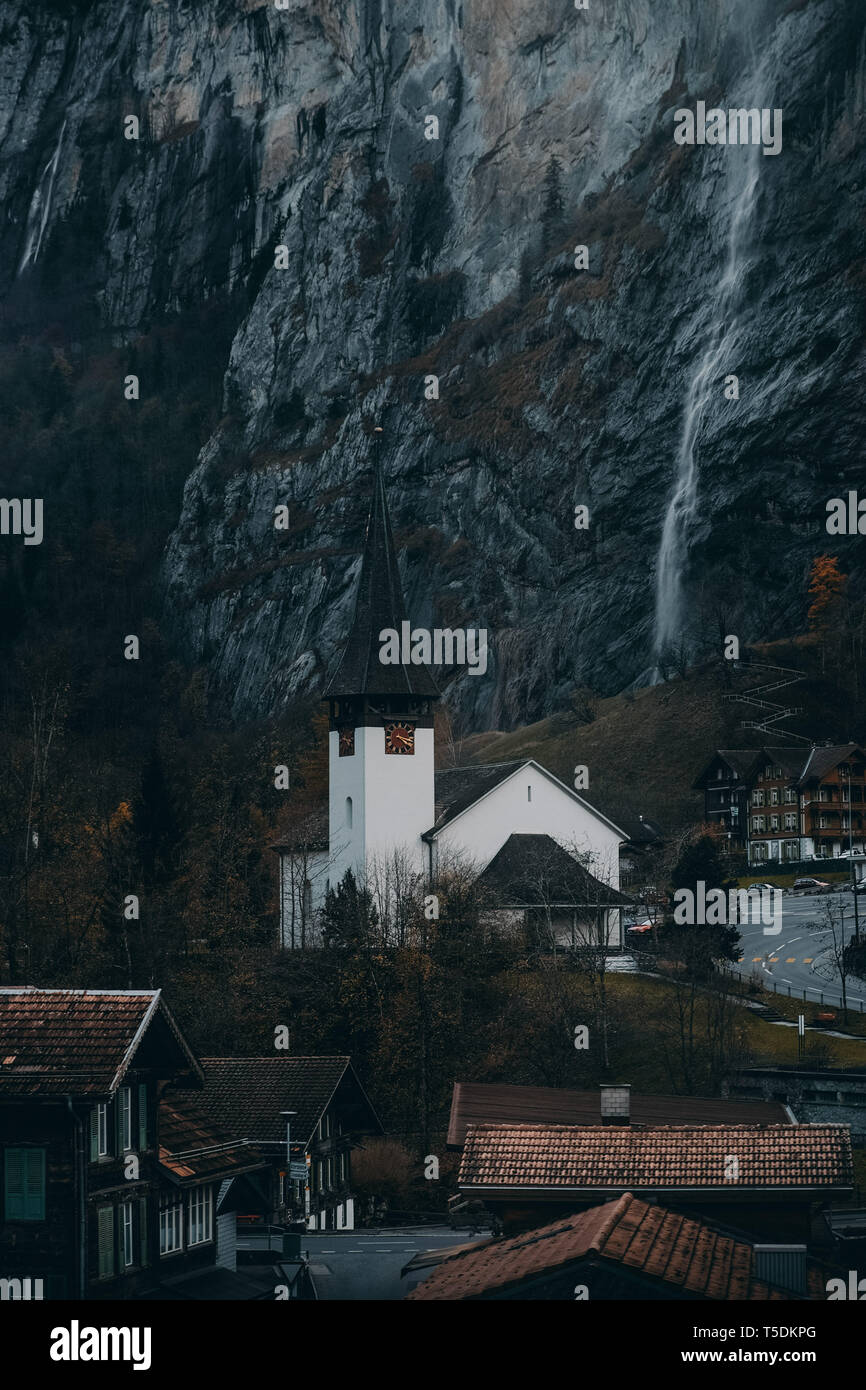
x=529, y=793
x=349, y=812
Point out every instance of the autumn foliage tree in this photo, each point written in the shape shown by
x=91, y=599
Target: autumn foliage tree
x=826, y=589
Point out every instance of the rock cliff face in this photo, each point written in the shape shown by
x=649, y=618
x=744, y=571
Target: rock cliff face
x=410, y=257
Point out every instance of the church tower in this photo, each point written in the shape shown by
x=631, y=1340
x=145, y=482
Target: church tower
x=381, y=778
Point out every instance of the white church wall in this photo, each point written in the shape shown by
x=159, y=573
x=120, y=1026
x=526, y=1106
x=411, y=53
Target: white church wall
x=392, y=802
x=530, y=803
x=300, y=904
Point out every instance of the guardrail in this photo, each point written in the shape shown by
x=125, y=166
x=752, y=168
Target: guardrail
x=825, y=996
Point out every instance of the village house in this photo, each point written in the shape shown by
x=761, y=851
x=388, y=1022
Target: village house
x=330, y=1116
x=785, y=805
x=764, y=1180
x=105, y=1188
x=624, y=1249
x=391, y=812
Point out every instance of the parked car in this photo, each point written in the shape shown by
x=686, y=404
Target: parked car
x=825, y=1018
x=640, y=928
x=762, y=887
x=812, y=885
x=860, y=885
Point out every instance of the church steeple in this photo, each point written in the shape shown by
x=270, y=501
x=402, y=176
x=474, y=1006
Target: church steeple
x=379, y=604
x=381, y=782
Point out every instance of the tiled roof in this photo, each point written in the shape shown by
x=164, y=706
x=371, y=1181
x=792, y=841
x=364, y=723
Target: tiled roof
x=741, y=761
x=536, y=870
x=605, y=1157
x=476, y=1103
x=378, y=605
x=56, y=1042
x=192, y=1146
x=458, y=788
x=246, y=1094
x=662, y=1246
x=310, y=833
x=823, y=760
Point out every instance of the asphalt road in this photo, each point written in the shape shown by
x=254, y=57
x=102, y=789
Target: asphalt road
x=801, y=955
x=365, y=1265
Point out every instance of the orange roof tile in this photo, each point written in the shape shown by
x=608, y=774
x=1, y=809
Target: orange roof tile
x=662, y=1245
x=605, y=1157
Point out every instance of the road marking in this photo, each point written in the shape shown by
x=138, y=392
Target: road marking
x=774, y=960
x=786, y=982
x=757, y=959
x=791, y=960
x=807, y=960
x=793, y=939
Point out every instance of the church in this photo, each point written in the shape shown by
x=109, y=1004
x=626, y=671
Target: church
x=543, y=854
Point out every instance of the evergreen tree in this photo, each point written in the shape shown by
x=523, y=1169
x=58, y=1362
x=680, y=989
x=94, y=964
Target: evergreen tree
x=349, y=917
x=552, y=218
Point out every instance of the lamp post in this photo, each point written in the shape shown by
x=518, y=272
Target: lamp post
x=851, y=860
x=289, y=1116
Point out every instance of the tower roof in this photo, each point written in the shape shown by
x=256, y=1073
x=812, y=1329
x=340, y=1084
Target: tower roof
x=378, y=605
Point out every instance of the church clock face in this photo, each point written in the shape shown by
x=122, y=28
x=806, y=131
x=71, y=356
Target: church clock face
x=400, y=738
x=347, y=743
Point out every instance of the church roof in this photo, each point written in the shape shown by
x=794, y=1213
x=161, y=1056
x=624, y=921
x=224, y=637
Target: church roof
x=458, y=788
x=535, y=871
x=378, y=605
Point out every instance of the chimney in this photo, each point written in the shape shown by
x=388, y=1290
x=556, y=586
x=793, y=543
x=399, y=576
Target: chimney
x=615, y=1105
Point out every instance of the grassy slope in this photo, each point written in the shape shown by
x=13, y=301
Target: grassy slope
x=644, y=751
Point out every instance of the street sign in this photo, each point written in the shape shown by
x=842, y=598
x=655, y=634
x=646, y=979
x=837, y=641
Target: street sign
x=298, y=1172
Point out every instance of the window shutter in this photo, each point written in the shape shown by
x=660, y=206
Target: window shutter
x=142, y=1116
x=24, y=1185
x=118, y=1125
x=14, y=1184
x=142, y=1229
x=94, y=1134
x=34, y=1196
x=105, y=1240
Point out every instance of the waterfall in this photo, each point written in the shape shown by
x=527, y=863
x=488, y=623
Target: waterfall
x=718, y=358
x=40, y=207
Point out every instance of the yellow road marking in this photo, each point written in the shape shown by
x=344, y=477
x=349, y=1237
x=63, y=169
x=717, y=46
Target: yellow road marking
x=756, y=959
x=807, y=960
x=790, y=960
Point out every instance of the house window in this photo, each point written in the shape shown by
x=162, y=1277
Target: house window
x=349, y=812
x=200, y=1215
x=790, y=794
x=105, y=1241
x=774, y=822
x=791, y=821
x=24, y=1184
x=102, y=1130
x=126, y=1215
x=529, y=793
x=124, y=1100
x=170, y=1225
x=774, y=796
x=757, y=798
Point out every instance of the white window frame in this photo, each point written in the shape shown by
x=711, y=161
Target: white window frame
x=171, y=1227
x=102, y=1149
x=127, y=1218
x=200, y=1216
x=125, y=1103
